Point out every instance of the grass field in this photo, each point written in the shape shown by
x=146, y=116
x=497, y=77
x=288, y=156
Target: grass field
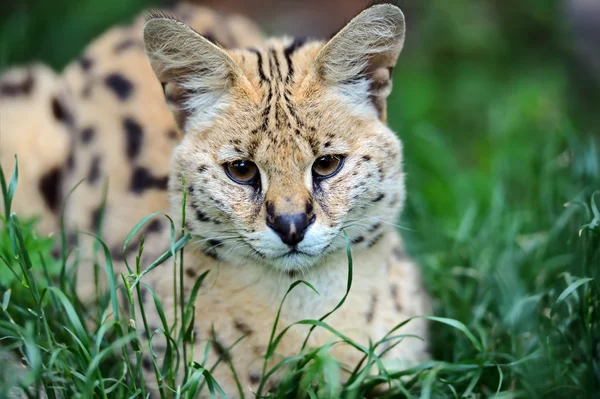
x=503, y=213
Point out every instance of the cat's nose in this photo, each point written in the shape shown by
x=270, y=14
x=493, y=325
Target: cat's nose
x=291, y=228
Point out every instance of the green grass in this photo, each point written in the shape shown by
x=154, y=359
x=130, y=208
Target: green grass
x=503, y=179
x=516, y=288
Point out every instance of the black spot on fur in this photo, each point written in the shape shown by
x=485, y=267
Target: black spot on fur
x=374, y=227
x=49, y=187
x=371, y=311
x=172, y=135
x=375, y=240
x=71, y=160
x=85, y=63
x=219, y=349
x=366, y=158
x=155, y=226
x=191, y=273
x=87, y=134
x=134, y=137
x=211, y=254
x=120, y=85
x=23, y=88
x=147, y=364
x=95, y=217
x=394, y=294
x=379, y=197
x=327, y=144
x=242, y=327
x=142, y=180
x=202, y=168
x=254, y=378
x=201, y=216
x=358, y=240
x=60, y=112
x=94, y=172
x=215, y=243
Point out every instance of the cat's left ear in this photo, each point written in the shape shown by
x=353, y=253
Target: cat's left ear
x=365, y=49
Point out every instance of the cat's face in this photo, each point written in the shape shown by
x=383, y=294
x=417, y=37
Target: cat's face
x=291, y=149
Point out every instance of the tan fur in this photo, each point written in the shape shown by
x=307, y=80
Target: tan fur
x=281, y=104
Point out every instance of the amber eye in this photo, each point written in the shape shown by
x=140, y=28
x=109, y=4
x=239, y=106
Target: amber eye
x=242, y=172
x=326, y=166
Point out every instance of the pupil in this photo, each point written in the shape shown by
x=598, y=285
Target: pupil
x=325, y=163
x=242, y=168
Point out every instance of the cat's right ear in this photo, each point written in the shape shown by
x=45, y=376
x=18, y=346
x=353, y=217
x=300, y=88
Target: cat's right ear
x=195, y=73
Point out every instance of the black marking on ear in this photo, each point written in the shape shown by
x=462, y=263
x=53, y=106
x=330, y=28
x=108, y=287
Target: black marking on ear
x=94, y=172
x=242, y=327
x=85, y=63
x=16, y=89
x=120, y=85
x=142, y=180
x=127, y=44
x=289, y=51
x=49, y=187
x=60, y=112
x=134, y=136
x=87, y=134
x=379, y=197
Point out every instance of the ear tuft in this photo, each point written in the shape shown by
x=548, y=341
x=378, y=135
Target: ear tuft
x=367, y=47
x=195, y=73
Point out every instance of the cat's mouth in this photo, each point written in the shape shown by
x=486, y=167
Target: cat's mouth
x=292, y=259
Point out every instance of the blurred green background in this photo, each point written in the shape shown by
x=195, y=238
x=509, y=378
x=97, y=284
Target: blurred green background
x=497, y=103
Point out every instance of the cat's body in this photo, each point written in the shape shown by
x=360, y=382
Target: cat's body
x=283, y=146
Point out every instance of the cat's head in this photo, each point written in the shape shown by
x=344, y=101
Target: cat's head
x=285, y=144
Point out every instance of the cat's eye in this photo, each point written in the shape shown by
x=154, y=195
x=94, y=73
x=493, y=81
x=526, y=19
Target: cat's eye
x=327, y=166
x=242, y=172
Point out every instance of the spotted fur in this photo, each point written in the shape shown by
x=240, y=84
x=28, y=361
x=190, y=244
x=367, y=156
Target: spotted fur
x=184, y=93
